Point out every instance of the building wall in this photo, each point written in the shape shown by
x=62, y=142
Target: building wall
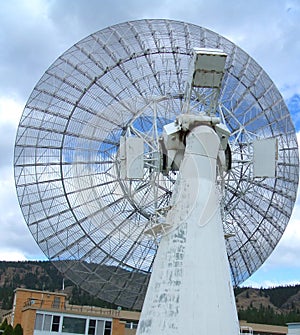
x=36, y=299
x=130, y=332
x=118, y=327
x=27, y=321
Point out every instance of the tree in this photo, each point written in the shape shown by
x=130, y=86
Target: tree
x=8, y=330
x=18, y=330
x=4, y=324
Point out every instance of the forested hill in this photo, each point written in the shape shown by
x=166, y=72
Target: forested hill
x=276, y=305
x=39, y=275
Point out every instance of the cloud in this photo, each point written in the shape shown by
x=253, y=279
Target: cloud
x=17, y=242
x=286, y=254
x=36, y=32
x=11, y=256
x=16, y=236
x=10, y=113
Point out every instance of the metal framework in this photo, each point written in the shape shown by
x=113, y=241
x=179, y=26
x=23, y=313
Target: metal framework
x=130, y=79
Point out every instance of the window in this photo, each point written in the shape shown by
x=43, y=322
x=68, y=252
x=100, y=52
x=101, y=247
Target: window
x=131, y=324
x=56, y=302
x=55, y=323
x=96, y=327
x=100, y=327
x=73, y=325
x=47, y=322
x=92, y=327
x=107, y=330
x=38, y=325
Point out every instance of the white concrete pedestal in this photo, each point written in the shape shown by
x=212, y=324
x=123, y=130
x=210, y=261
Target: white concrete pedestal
x=190, y=290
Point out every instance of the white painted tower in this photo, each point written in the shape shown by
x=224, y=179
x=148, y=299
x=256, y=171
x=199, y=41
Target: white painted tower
x=190, y=290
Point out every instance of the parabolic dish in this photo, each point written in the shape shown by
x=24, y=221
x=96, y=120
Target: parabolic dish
x=130, y=79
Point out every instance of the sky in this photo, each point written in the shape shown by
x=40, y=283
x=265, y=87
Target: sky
x=33, y=33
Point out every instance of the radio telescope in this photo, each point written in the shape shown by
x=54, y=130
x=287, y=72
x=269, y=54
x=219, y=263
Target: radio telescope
x=107, y=174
